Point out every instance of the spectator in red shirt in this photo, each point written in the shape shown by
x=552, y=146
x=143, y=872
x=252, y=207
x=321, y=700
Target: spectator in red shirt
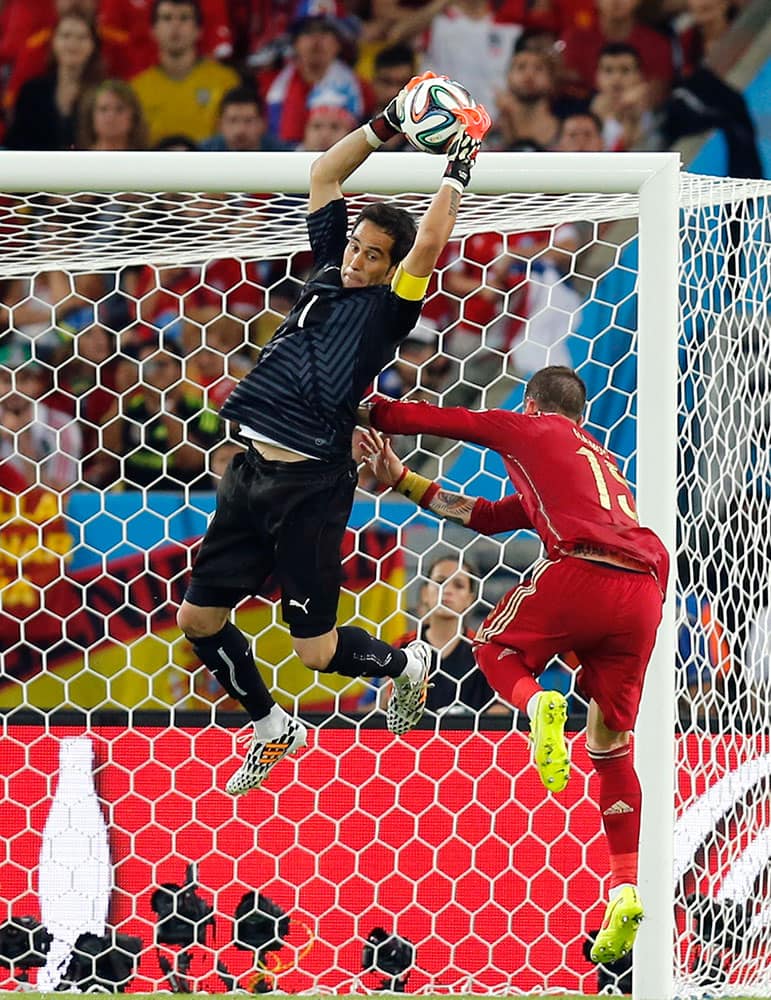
x=525, y=113
x=315, y=66
x=44, y=113
x=617, y=22
x=709, y=21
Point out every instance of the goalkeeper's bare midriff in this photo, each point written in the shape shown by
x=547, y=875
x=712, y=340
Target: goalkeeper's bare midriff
x=272, y=453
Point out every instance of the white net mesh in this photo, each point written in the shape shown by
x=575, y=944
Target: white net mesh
x=127, y=319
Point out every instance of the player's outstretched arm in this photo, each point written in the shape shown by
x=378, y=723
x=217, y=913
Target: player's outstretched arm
x=483, y=516
x=389, y=469
x=437, y=224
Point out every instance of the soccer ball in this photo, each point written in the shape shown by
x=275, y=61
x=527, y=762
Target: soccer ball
x=428, y=121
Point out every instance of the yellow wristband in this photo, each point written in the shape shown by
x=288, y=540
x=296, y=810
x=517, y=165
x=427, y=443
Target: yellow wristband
x=413, y=486
x=409, y=286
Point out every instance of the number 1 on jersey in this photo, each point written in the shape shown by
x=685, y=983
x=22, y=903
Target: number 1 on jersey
x=598, y=468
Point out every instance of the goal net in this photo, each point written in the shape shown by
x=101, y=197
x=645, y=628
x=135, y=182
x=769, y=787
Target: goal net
x=130, y=304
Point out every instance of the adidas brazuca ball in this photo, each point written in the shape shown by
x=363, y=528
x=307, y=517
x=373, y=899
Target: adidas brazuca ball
x=428, y=119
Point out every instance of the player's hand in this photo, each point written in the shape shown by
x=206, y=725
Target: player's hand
x=382, y=460
x=388, y=123
x=464, y=148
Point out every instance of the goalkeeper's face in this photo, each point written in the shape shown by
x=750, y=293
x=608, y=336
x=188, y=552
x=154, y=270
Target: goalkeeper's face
x=367, y=257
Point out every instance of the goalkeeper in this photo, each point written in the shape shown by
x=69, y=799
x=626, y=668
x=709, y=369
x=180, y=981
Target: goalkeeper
x=598, y=593
x=283, y=504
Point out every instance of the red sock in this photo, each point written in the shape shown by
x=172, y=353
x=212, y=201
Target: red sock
x=620, y=800
x=507, y=674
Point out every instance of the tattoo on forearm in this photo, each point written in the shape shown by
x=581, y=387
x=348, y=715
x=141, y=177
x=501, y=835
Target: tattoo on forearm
x=454, y=202
x=453, y=506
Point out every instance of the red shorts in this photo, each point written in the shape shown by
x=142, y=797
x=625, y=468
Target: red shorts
x=607, y=616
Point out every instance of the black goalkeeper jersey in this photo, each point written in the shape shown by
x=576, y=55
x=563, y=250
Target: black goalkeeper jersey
x=304, y=391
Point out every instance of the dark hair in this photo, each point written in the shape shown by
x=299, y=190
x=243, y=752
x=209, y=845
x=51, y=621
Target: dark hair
x=394, y=55
x=620, y=49
x=464, y=566
x=195, y=4
x=241, y=95
x=526, y=40
x=580, y=113
x=399, y=225
x=558, y=389
x=180, y=141
x=86, y=134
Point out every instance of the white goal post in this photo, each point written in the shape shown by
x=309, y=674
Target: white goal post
x=532, y=190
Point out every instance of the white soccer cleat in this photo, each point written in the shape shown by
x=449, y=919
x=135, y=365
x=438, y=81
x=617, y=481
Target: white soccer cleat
x=408, y=698
x=263, y=754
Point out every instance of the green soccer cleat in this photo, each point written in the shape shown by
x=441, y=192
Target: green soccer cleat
x=547, y=733
x=623, y=916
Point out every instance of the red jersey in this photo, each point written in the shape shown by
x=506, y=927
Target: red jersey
x=570, y=489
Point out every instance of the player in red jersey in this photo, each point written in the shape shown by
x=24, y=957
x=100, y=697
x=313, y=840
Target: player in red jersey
x=599, y=593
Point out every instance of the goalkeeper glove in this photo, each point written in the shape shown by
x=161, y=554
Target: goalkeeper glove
x=388, y=123
x=463, y=150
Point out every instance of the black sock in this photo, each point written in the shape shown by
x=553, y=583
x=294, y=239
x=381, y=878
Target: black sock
x=228, y=656
x=360, y=654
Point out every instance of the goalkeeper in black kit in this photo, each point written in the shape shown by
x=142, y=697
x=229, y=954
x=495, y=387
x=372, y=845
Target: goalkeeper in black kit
x=283, y=504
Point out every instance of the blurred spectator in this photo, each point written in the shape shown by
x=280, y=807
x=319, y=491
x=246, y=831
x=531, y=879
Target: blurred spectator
x=330, y=117
x=617, y=22
x=708, y=22
x=580, y=132
x=621, y=99
x=549, y=304
x=467, y=43
x=525, y=114
x=458, y=686
x=393, y=69
x=418, y=368
x=44, y=114
x=128, y=42
x=181, y=94
x=26, y=30
x=43, y=444
x=88, y=384
x=267, y=29
x=242, y=125
x=315, y=67
x=110, y=117
x=164, y=429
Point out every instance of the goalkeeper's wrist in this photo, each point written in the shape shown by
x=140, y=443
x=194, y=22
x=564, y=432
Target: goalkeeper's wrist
x=457, y=175
x=379, y=130
x=417, y=488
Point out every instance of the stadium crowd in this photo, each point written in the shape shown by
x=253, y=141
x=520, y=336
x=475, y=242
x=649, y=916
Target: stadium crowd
x=110, y=380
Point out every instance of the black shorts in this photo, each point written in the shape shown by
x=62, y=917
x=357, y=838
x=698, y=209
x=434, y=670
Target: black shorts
x=282, y=518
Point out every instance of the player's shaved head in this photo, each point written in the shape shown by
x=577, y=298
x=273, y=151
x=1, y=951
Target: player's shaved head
x=557, y=389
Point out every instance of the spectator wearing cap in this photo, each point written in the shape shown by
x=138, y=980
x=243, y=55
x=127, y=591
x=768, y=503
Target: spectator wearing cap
x=617, y=21
x=182, y=93
x=330, y=116
x=242, y=124
x=315, y=67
